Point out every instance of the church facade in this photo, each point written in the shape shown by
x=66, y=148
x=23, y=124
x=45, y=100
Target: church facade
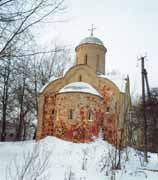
x=86, y=101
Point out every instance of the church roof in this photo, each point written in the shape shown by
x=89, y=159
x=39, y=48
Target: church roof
x=80, y=87
x=50, y=81
x=91, y=40
x=117, y=79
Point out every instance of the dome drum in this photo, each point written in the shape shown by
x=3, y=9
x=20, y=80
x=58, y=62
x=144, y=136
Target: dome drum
x=91, y=51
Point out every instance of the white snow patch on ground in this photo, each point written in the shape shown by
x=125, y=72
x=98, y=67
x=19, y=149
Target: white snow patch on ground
x=78, y=161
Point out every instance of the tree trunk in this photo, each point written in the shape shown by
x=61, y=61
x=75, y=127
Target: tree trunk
x=5, y=100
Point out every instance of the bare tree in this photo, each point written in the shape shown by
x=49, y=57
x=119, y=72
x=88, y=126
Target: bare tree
x=84, y=159
x=6, y=81
x=4, y=97
x=69, y=175
x=107, y=163
x=17, y=18
x=17, y=21
x=22, y=94
x=151, y=109
x=33, y=165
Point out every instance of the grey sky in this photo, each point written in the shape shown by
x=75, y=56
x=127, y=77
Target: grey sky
x=128, y=28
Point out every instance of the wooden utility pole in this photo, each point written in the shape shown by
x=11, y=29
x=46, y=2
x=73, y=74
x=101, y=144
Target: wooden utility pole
x=151, y=128
x=144, y=109
x=147, y=84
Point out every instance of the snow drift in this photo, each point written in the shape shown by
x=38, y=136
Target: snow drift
x=55, y=159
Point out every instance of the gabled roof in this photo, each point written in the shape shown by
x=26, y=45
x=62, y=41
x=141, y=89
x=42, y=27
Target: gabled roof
x=117, y=79
x=50, y=81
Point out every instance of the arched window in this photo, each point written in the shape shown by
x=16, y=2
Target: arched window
x=53, y=115
x=107, y=109
x=80, y=78
x=85, y=59
x=90, y=115
x=70, y=116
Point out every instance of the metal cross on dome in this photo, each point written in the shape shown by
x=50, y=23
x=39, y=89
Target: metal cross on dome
x=92, y=29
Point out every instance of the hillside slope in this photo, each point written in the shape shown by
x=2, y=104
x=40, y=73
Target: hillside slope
x=55, y=159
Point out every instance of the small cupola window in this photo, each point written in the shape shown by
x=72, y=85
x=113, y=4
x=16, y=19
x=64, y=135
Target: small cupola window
x=98, y=62
x=80, y=78
x=85, y=59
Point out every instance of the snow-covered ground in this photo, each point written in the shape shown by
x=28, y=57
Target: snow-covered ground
x=55, y=159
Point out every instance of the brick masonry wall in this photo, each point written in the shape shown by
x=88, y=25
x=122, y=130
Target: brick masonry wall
x=110, y=123
x=47, y=117
x=56, y=120
x=78, y=129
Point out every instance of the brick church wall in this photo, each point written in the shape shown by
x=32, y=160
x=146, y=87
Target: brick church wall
x=80, y=128
x=48, y=116
x=56, y=120
x=110, y=123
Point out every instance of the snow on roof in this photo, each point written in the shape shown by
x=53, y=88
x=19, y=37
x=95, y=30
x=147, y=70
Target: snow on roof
x=117, y=79
x=80, y=87
x=91, y=40
x=49, y=81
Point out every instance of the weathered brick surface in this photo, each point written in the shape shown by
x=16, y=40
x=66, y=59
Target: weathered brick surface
x=56, y=120
x=79, y=129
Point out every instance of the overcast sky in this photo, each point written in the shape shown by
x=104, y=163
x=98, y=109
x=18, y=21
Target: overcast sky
x=128, y=29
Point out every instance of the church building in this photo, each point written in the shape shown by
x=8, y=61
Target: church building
x=86, y=101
